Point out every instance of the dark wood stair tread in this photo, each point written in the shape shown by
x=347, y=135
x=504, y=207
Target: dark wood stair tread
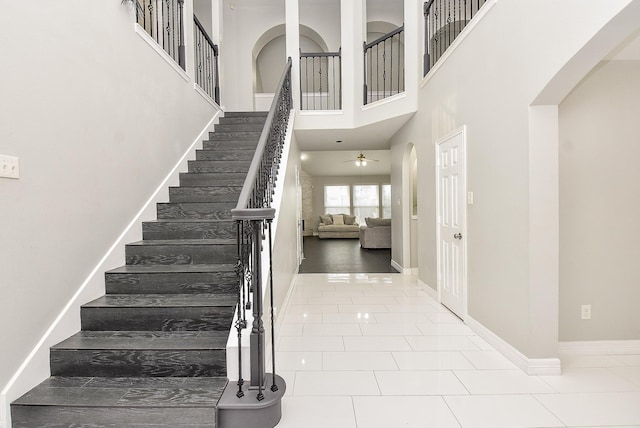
x=141, y=340
x=161, y=300
x=126, y=392
x=176, y=242
x=160, y=269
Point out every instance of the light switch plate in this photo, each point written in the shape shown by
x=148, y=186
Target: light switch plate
x=9, y=167
x=469, y=198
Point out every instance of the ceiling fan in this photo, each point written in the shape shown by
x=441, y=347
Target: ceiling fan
x=361, y=160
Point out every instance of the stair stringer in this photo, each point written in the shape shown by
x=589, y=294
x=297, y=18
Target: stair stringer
x=35, y=368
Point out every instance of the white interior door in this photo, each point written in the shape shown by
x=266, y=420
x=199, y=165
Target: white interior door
x=451, y=170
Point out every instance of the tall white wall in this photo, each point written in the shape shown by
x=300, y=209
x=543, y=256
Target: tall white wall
x=98, y=119
x=599, y=209
x=323, y=16
x=488, y=83
x=244, y=23
x=285, y=251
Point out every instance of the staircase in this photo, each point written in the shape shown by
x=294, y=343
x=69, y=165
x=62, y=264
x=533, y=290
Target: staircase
x=152, y=350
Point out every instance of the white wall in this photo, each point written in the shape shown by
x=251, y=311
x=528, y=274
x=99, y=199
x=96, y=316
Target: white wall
x=244, y=23
x=285, y=251
x=385, y=11
x=599, y=210
x=488, y=84
x=98, y=119
x=322, y=16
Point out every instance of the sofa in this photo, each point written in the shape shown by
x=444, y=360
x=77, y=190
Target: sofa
x=338, y=226
x=376, y=233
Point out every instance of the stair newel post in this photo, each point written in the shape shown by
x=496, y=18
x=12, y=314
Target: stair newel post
x=241, y=321
x=257, y=330
x=274, y=387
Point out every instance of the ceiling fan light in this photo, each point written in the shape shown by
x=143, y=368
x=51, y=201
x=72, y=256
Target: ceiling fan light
x=358, y=162
x=364, y=163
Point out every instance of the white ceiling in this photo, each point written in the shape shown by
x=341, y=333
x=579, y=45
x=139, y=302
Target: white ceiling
x=342, y=163
x=375, y=136
x=325, y=157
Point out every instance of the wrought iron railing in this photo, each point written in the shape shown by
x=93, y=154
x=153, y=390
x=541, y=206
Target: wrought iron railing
x=253, y=216
x=443, y=21
x=164, y=21
x=321, y=81
x=206, y=61
x=384, y=66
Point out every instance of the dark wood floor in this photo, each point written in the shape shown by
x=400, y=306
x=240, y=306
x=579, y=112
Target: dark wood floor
x=343, y=256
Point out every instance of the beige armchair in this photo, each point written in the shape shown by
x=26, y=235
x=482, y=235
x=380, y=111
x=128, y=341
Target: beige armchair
x=376, y=234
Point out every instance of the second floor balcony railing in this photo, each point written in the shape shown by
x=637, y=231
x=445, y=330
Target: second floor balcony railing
x=443, y=21
x=384, y=66
x=206, y=62
x=321, y=81
x=163, y=21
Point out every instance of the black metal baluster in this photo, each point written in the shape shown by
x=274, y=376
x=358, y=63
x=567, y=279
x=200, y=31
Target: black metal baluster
x=313, y=73
x=301, y=87
x=217, y=76
x=450, y=36
x=364, y=81
x=391, y=65
x=320, y=80
x=375, y=86
x=274, y=387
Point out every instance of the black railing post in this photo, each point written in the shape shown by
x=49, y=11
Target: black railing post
x=181, y=48
x=216, y=93
x=364, y=84
x=257, y=329
x=427, y=38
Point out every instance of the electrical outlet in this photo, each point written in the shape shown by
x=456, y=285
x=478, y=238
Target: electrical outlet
x=9, y=167
x=586, y=312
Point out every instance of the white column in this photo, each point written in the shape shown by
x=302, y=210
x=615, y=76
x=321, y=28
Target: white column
x=353, y=33
x=544, y=232
x=292, y=17
x=216, y=21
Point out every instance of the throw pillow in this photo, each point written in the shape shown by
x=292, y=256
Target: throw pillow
x=326, y=219
x=338, y=219
x=349, y=219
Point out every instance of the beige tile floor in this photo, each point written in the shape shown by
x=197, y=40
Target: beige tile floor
x=376, y=351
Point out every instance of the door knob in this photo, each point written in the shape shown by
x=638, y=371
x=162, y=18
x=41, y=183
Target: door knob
x=458, y=236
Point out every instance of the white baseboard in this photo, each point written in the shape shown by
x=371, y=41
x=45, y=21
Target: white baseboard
x=399, y=268
x=531, y=366
x=600, y=347
x=35, y=368
x=432, y=293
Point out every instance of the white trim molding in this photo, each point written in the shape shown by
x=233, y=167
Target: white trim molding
x=599, y=347
x=531, y=366
x=158, y=49
x=399, y=268
x=429, y=290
